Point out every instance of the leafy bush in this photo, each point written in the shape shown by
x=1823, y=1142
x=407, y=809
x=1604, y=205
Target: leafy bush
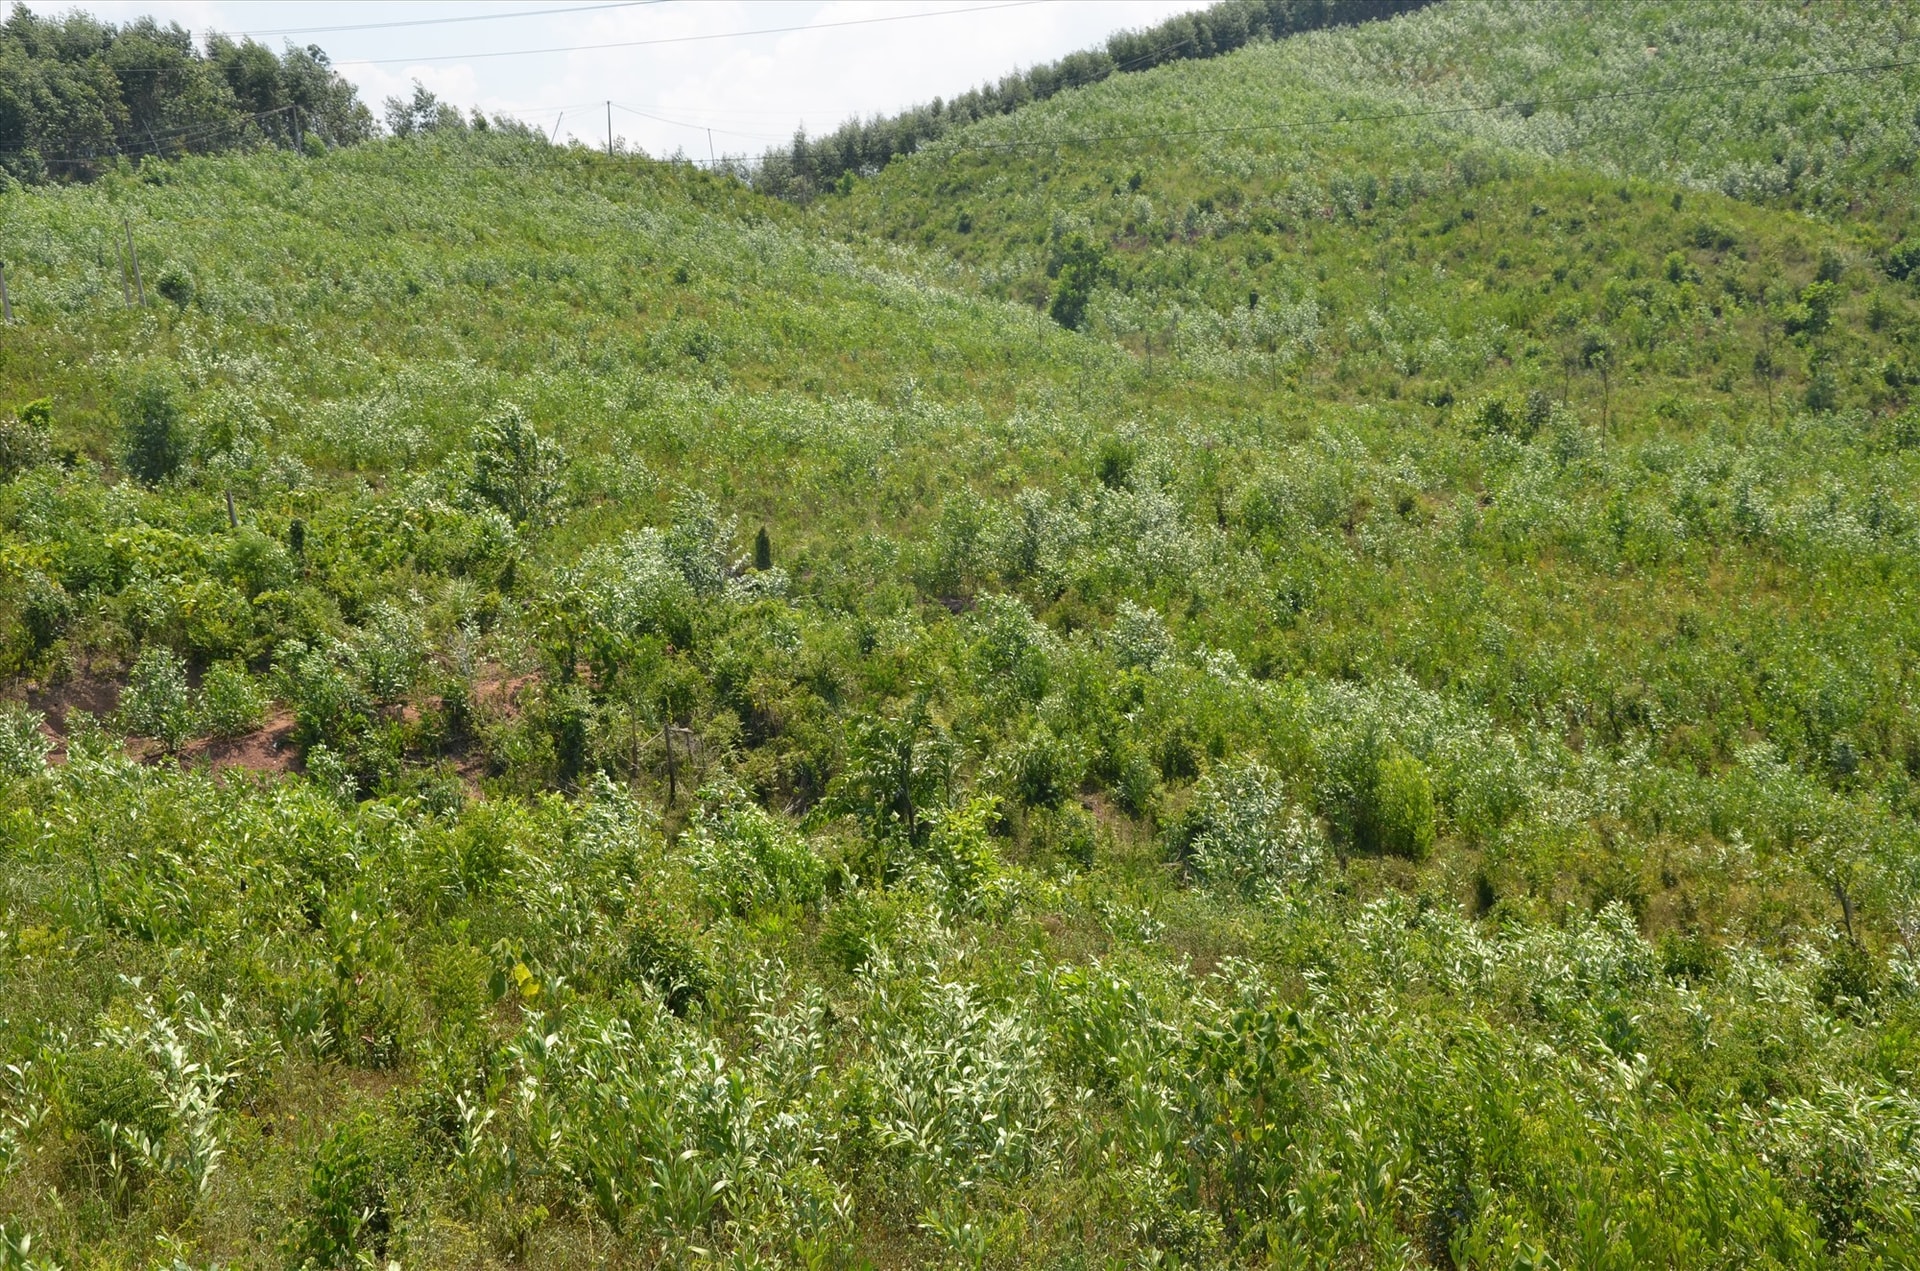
x=389, y=650
x=112, y=1103
x=1241, y=833
x=861, y=927
x=1082, y=266
x=153, y=427
x=348, y=1216
x=175, y=284
x=23, y=439
x=231, y=705
x=330, y=706
x=23, y=743
x=256, y=563
x=961, y=854
x=1139, y=637
x=1397, y=813
x=515, y=468
x=1903, y=259
x=661, y=950
x=744, y=858
x=696, y=542
x=157, y=702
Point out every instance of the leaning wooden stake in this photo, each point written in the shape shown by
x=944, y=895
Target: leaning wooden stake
x=233, y=521
x=134, y=256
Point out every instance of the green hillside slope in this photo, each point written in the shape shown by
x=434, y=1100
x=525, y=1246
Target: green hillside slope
x=1117, y=694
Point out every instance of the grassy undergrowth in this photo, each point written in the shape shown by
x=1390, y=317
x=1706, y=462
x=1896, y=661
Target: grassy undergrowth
x=1285, y=698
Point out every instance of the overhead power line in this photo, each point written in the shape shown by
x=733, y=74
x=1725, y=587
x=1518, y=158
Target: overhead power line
x=681, y=123
x=682, y=39
x=467, y=17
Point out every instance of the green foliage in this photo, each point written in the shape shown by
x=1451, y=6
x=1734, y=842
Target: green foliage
x=175, y=284
x=231, y=705
x=157, y=702
x=743, y=858
x=330, y=705
x=23, y=745
x=1400, y=543
x=1398, y=813
x=1903, y=258
x=1242, y=834
x=1078, y=268
x=23, y=439
x=77, y=91
x=516, y=469
x=1139, y=638
x=153, y=427
x=347, y=1220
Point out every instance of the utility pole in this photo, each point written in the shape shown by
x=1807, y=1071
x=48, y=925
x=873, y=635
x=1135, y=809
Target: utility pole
x=713, y=163
x=609, y=129
x=6, y=305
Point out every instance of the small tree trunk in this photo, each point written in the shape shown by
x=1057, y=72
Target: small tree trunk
x=134, y=255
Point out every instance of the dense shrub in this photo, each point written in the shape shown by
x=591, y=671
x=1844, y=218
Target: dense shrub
x=153, y=427
x=24, y=440
x=744, y=858
x=23, y=746
x=515, y=468
x=1242, y=834
x=157, y=702
x=1398, y=809
x=231, y=705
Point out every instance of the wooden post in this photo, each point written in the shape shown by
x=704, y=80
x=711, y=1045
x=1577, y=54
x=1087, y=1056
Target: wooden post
x=134, y=255
x=126, y=279
x=6, y=304
x=233, y=521
x=666, y=739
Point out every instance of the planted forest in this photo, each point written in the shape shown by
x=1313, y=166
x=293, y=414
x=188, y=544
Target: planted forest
x=1293, y=645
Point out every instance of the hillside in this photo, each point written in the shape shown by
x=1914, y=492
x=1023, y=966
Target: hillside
x=1140, y=687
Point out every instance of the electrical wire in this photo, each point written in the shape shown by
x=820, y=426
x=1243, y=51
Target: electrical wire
x=682, y=39
x=681, y=123
x=470, y=17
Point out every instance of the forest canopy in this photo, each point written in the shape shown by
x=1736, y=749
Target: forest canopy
x=76, y=92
